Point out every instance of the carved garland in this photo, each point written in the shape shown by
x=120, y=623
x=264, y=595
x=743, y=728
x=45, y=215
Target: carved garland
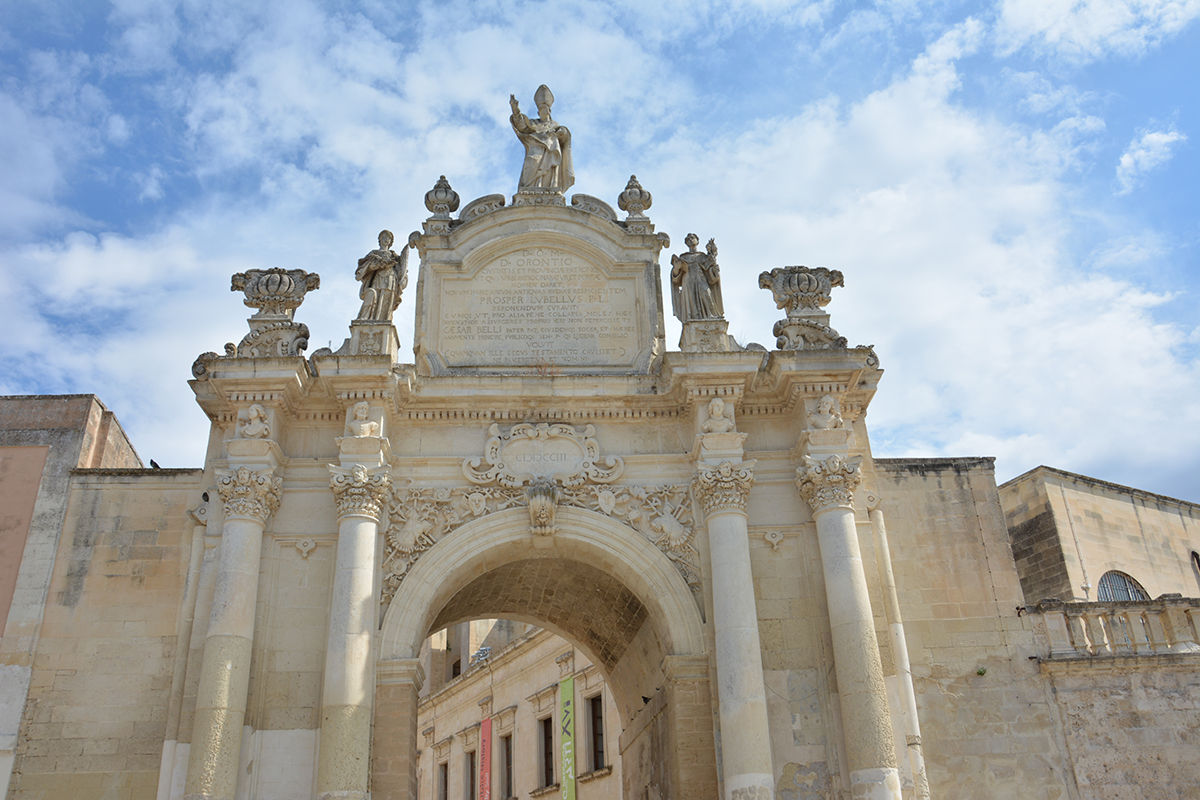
x=247, y=494
x=828, y=483
x=420, y=518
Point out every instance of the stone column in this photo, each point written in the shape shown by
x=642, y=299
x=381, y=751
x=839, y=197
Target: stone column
x=745, y=732
x=827, y=484
x=343, y=769
x=394, y=757
x=250, y=497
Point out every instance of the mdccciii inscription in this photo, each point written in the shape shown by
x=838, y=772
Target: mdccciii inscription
x=538, y=306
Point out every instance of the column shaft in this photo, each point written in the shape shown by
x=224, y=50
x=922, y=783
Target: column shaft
x=349, y=681
x=745, y=731
x=225, y=670
x=866, y=721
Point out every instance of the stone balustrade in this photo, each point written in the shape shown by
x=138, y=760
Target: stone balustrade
x=1167, y=624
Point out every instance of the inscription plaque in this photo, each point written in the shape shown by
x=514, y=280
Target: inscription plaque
x=538, y=306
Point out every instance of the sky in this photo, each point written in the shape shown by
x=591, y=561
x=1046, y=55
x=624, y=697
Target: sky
x=1010, y=189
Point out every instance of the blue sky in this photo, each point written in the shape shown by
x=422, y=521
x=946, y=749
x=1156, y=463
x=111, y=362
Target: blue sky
x=1010, y=189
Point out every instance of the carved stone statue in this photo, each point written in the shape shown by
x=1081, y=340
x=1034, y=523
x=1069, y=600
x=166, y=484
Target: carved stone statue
x=547, y=146
x=384, y=276
x=256, y=426
x=826, y=417
x=696, y=282
x=717, y=422
x=360, y=422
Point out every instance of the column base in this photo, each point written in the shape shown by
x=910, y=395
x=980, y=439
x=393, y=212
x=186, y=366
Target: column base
x=875, y=784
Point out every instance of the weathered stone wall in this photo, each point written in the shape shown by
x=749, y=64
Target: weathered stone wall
x=987, y=723
x=1131, y=724
x=94, y=721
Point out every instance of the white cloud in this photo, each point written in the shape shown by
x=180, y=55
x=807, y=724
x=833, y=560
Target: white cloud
x=1147, y=151
x=1086, y=30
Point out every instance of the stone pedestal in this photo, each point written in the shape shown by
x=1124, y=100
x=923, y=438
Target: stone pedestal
x=371, y=339
x=250, y=494
x=706, y=336
x=745, y=732
x=827, y=483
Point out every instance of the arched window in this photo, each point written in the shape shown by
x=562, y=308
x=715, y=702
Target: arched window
x=1117, y=586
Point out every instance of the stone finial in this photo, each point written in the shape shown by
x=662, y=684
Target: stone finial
x=543, y=501
x=248, y=494
x=803, y=292
x=634, y=200
x=441, y=200
x=829, y=482
x=275, y=292
x=359, y=491
x=725, y=486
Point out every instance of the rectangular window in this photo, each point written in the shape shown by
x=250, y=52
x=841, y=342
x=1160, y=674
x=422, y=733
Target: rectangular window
x=470, y=781
x=596, y=728
x=443, y=779
x=506, y=762
x=546, y=734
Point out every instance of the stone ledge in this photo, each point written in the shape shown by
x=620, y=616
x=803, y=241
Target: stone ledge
x=1075, y=665
x=603, y=772
x=545, y=790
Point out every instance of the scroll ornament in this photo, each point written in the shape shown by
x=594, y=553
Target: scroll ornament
x=725, y=486
x=359, y=491
x=248, y=494
x=528, y=452
x=420, y=518
x=830, y=482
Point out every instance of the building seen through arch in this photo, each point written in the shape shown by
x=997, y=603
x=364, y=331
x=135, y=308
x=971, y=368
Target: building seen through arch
x=544, y=553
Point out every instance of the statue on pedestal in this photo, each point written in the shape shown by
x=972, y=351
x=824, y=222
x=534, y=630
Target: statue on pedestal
x=696, y=283
x=384, y=276
x=547, y=146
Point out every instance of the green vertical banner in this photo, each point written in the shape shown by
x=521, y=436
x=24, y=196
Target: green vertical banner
x=566, y=718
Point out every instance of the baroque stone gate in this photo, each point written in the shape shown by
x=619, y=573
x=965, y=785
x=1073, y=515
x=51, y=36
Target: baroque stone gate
x=546, y=459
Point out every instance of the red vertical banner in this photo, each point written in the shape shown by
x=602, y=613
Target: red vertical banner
x=485, y=760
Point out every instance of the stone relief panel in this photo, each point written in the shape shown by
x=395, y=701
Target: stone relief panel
x=530, y=452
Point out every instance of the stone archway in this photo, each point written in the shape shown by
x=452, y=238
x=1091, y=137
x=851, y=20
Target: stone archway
x=595, y=582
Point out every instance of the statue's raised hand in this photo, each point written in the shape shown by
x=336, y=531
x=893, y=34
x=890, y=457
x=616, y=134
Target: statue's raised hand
x=512, y=101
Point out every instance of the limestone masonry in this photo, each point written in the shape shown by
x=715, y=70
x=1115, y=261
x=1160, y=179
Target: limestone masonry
x=544, y=554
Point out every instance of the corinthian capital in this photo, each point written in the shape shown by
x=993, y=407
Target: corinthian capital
x=725, y=486
x=247, y=494
x=359, y=491
x=828, y=482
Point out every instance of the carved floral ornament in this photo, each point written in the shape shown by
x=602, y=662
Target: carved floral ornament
x=555, y=452
x=248, y=494
x=830, y=482
x=359, y=491
x=420, y=518
x=725, y=486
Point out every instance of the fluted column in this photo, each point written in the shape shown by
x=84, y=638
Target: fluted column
x=827, y=484
x=249, y=497
x=745, y=733
x=343, y=769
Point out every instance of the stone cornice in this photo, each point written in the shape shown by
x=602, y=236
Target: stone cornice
x=249, y=495
x=359, y=491
x=830, y=482
x=725, y=487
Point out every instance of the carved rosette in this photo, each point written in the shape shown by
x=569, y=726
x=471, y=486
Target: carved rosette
x=249, y=495
x=724, y=487
x=359, y=491
x=830, y=482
